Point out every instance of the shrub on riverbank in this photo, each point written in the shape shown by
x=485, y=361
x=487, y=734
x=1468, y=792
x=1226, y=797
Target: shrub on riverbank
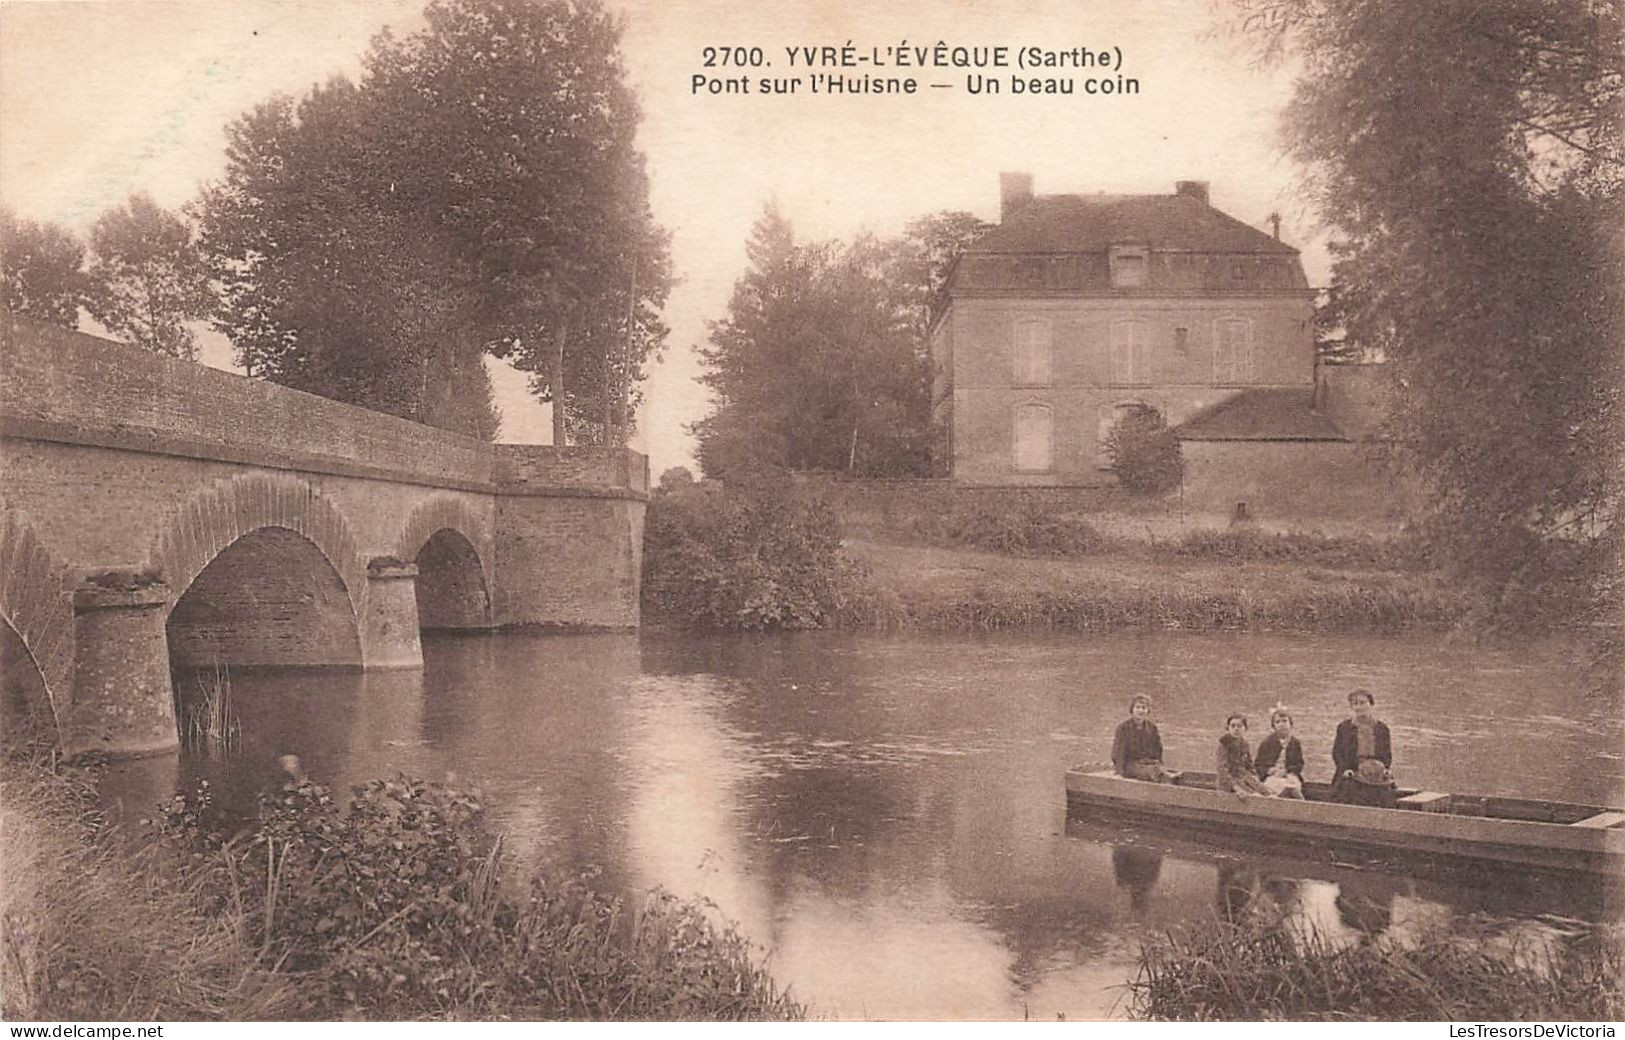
x=753, y=557
x=1464, y=971
x=386, y=906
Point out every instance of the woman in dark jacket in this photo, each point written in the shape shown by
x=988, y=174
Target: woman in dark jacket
x=1137, y=746
x=1280, y=758
x=1363, y=753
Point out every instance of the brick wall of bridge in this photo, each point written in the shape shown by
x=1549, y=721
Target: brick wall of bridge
x=115, y=458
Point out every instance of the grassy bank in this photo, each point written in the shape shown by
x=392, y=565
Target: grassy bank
x=769, y=557
x=949, y=588
x=388, y=905
x=1468, y=970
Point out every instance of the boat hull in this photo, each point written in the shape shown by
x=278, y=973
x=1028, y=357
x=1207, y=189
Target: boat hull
x=1548, y=846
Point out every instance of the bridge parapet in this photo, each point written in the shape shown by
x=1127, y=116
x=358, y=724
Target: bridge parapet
x=67, y=387
x=585, y=467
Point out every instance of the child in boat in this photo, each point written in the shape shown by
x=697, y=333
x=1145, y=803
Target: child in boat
x=1280, y=758
x=1234, y=765
x=1137, y=746
x=1363, y=754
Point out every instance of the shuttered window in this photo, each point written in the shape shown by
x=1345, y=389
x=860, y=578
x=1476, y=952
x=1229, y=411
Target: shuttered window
x=1129, y=339
x=1033, y=434
x=1033, y=338
x=1233, y=350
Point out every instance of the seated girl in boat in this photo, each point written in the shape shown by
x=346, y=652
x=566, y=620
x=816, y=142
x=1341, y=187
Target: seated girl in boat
x=1280, y=758
x=1234, y=764
x=1364, y=756
x=1137, y=746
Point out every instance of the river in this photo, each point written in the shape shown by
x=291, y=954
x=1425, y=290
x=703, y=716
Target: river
x=884, y=815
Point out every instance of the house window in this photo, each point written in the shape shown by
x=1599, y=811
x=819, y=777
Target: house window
x=1033, y=430
x=1129, y=266
x=1182, y=339
x=1032, y=340
x=1232, y=350
x=1129, y=339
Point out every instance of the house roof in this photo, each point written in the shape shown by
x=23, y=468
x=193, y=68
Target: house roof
x=1264, y=414
x=1093, y=223
x=1062, y=243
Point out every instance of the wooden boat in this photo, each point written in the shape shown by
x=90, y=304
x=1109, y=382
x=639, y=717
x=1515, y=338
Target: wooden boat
x=1548, y=835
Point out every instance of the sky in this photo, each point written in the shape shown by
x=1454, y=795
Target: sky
x=100, y=98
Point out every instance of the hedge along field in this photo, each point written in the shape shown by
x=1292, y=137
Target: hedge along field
x=769, y=557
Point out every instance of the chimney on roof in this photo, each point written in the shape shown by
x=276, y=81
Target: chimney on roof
x=1015, y=191
x=1275, y=225
x=1195, y=189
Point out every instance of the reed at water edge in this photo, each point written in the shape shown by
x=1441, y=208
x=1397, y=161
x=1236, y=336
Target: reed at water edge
x=1469, y=969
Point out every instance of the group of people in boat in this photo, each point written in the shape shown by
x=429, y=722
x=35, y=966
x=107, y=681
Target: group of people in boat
x=1362, y=752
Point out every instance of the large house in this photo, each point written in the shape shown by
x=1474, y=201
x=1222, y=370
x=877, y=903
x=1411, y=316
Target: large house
x=1075, y=308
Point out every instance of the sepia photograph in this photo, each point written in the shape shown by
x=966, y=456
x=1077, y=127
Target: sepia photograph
x=812, y=511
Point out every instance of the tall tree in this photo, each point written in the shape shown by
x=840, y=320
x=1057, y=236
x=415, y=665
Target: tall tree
x=822, y=360
x=41, y=270
x=548, y=209
x=1477, y=212
x=147, y=278
x=476, y=193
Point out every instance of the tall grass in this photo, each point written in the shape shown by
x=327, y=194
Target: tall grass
x=91, y=928
x=1464, y=971
x=209, y=721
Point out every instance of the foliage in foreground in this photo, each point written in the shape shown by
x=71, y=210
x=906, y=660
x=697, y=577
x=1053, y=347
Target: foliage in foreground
x=387, y=906
x=1475, y=217
x=1462, y=972
x=753, y=558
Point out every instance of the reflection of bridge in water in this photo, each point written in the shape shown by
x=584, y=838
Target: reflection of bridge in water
x=157, y=514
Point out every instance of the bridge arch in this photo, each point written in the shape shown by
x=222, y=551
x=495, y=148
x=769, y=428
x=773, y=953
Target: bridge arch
x=225, y=511
x=452, y=547
x=36, y=654
x=263, y=570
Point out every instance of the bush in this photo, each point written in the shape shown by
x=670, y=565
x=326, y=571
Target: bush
x=1025, y=531
x=749, y=557
x=1144, y=452
x=392, y=906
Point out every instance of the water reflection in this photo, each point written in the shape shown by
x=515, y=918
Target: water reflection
x=885, y=816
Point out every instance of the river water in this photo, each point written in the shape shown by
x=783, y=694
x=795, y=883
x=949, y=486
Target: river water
x=885, y=815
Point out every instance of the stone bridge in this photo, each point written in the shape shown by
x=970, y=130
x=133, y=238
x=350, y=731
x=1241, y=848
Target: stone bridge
x=158, y=514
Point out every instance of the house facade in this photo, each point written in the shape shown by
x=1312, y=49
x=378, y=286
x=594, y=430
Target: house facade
x=1075, y=308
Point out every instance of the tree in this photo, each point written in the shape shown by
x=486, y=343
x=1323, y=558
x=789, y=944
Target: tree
x=548, y=212
x=476, y=193
x=1477, y=213
x=42, y=270
x=822, y=361
x=1144, y=452
x=147, y=277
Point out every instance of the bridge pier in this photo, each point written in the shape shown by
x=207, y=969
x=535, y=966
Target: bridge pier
x=122, y=701
x=389, y=639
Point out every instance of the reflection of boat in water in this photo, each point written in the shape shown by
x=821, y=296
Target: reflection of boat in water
x=1358, y=876
x=1549, y=835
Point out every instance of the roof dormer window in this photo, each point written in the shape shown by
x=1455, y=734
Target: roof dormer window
x=1129, y=266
